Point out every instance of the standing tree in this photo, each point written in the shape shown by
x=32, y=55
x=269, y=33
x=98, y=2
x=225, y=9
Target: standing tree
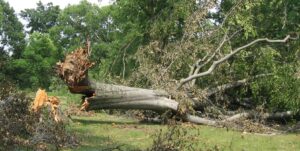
x=80, y=23
x=42, y=18
x=12, y=38
x=35, y=63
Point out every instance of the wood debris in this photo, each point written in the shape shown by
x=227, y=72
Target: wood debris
x=42, y=99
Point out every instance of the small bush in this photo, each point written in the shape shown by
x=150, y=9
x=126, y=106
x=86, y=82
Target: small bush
x=175, y=138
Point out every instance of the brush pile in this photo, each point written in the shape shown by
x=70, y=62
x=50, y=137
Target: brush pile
x=31, y=127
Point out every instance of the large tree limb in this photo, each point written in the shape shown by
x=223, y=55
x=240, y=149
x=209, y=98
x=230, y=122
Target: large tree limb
x=278, y=115
x=109, y=96
x=234, y=52
x=202, y=62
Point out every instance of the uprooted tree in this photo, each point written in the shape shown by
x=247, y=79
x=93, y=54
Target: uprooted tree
x=239, y=74
x=74, y=71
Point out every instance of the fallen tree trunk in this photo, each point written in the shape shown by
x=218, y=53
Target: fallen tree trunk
x=74, y=71
x=108, y=96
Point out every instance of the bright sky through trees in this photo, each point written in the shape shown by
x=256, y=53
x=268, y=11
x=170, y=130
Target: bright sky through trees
x=19, y=5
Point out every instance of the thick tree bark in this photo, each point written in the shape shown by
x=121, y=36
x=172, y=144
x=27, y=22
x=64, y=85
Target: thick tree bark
x=108, y=96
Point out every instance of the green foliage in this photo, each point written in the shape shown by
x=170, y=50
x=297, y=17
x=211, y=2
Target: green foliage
x=12, y=39
x=259, y=18
x=159, y=19
x=137, y=23
x=42, y=18
x=175, y=138
x=78, y=23
x=272, y=19
x=279, y=92
x=35, y=65
x=154, y=42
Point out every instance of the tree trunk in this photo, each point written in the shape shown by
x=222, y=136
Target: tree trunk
x=108, y=96
x=74, y=71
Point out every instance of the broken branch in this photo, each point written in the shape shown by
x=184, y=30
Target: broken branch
x=237, y=50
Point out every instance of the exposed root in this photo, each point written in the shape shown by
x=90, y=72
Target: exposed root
x=74, y=68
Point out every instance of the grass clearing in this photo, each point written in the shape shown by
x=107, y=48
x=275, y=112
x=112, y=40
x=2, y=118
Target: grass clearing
x=105, y=132
x=111, y=132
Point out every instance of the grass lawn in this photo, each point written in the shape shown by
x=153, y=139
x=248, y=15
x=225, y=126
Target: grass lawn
x=106, y=132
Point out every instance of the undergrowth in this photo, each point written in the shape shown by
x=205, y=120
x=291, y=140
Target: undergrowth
x=22, y=128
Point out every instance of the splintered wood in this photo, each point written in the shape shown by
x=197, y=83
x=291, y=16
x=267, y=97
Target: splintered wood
x=75, y=66
x=42, y=99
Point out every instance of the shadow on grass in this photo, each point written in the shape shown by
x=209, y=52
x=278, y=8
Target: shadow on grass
x=101, y=143
x=89, y=121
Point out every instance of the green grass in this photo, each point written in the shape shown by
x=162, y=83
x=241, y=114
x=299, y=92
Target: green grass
x=105, y=132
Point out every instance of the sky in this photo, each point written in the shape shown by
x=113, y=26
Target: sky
x=19, y=5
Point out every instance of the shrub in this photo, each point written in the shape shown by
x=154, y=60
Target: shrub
x=175, y=138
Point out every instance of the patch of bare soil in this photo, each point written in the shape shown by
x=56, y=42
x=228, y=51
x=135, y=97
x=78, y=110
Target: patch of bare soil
x=74, y=110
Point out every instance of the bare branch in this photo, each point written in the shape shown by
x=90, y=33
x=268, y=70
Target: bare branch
x=237, y=50
x=236, y=117
x=200, y=120
x=198, y=66
x=213, y=55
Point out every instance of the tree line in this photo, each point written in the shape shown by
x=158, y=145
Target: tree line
x=166, y=44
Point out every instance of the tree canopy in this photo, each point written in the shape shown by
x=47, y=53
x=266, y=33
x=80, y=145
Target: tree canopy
x=168, y=44
x=12, y=37
x=36, y=62
x=41, y=18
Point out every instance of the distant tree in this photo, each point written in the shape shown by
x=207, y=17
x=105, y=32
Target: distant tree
x=41, y=18
x=12, y=38
x=136, y=23
x=77, y=23
x=34, y=68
